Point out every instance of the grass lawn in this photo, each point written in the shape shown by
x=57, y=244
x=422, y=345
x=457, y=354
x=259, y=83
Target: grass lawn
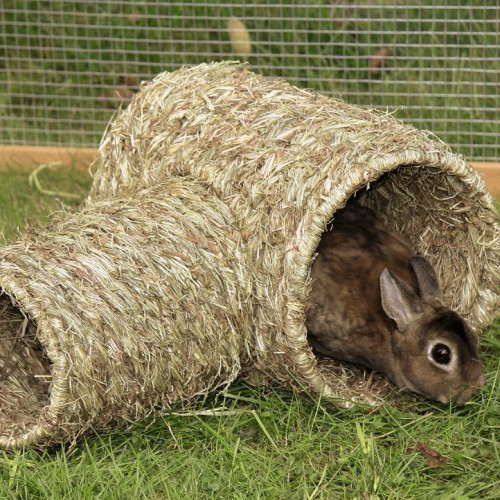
x=263, y=443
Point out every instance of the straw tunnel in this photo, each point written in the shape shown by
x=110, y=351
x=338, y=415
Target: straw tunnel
x=210, y=196
x=112, y=312
x=285, y=160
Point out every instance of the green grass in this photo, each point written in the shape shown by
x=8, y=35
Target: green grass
x=64, y=58
x=21, y=204
x=269, y=444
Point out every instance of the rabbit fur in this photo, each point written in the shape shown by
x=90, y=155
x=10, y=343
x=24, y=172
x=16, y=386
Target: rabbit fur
x=374, y=304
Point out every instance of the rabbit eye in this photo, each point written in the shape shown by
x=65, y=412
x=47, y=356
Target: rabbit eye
x=441, y=354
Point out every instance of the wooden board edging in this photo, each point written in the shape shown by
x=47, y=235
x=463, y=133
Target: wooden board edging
x=81, y=158
x=32, y=156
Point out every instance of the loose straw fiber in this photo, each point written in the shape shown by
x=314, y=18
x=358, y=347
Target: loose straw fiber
x=285, y=160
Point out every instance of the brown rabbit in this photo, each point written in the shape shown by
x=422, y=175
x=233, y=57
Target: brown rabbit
x=374, y=304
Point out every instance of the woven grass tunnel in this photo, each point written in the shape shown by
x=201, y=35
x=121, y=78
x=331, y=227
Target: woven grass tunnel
x=189, y=264
x=285, y=160
x=115, y=311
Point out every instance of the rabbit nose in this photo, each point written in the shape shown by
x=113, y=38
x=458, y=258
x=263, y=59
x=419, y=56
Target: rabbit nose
x=469, y=391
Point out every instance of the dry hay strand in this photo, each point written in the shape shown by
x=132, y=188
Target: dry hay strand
x=190, y=263
x=284, y=160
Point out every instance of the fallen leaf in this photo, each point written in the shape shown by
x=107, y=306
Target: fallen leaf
x=128, y=85
x=378, y=60
x=134, y=17
x=116, y=96
x=130, y=81
x=240, y=37
x=434, y=458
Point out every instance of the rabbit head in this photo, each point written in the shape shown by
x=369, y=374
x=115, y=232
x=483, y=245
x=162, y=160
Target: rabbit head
x=434, y=350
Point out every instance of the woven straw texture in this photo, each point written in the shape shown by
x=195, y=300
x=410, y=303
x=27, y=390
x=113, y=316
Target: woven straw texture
x=190, y=262
x=285, y=160
x=117, y=310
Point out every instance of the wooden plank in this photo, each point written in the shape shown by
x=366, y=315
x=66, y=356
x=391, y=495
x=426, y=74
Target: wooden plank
x=31, y=156
x=491, y=175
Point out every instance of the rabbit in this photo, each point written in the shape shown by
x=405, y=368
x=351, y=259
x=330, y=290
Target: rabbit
x=374, y=303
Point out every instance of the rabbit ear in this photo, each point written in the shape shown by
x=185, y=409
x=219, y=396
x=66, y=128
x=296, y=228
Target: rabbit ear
x=399, y=301
x=428, y=283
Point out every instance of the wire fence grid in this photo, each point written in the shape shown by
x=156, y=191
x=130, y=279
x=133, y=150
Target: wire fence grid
x=66, y=65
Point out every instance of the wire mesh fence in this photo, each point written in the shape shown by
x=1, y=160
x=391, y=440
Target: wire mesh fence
x=66, y=65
